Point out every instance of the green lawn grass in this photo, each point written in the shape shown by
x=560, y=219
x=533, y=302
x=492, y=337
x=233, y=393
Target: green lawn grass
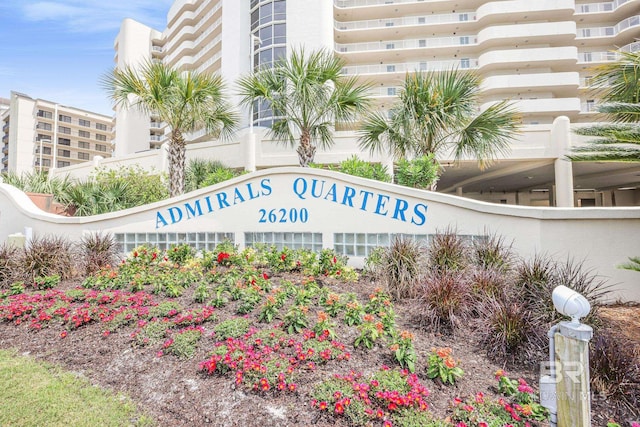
x=33, y=393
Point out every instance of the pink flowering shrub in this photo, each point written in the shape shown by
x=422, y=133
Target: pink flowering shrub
x=519, y=408
x=385, y=398
x=268, y=360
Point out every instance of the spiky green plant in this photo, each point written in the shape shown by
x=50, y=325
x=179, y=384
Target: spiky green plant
x=399, y=267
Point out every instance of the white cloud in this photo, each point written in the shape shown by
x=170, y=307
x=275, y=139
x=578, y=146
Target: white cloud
x=90, y=16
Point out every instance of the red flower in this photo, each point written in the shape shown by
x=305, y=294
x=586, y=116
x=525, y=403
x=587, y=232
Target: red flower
x=339, y=408
x=63, y=334
x=322, y=406
x=222, y=256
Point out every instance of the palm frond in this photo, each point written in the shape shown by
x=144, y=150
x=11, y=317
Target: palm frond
x=488, y=135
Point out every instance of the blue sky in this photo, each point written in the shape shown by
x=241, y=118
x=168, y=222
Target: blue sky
x=57, y=50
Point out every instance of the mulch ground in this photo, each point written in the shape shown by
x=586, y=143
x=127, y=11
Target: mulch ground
x=174, y=392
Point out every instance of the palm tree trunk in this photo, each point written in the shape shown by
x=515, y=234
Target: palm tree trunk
x=306, y=150
x=177, y=156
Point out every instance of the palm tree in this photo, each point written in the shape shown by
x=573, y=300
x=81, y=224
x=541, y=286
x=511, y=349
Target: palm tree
x=437, y=113
x=618, y=84
x=185, y=101
x=308, y=95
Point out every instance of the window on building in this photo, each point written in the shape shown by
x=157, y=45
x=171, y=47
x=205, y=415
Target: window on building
x=45, y=114
x=423, y=66
x=422, y=20
x=44, y=138
x=64, y=141
x=44, y=126
x=391, y=68
x=83, y=156
x=101, y=137
x=391, y=91
x=85, y=123
x=422, y=43
x=101, y=147
x=64, y=129
x=463, y=17
x=46, y=150
x=84, y=134
x=464, y=40
x=390, y=46
x=64, y=153
x=591, y=105
x=63, y=164
x=101, y=126
x=465, y=63
x=46, y=162
x=63, y=118
x=84, y=144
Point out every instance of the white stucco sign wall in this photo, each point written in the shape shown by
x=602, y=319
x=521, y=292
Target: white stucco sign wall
x=315, y=208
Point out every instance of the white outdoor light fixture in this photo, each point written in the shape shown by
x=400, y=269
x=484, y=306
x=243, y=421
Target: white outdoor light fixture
x=570, y=303
x=565, y=390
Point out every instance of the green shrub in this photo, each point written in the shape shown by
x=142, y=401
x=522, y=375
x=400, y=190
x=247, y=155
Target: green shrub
x=180, y=254
x=113, y=190
x=143, y=186
x=165, y=309
x=633, y=264
x=151, y=333
x=421, y=172
x=46, y=282
x=358, y=167
x=231, y=328
x=201, y=173
x=183, y=344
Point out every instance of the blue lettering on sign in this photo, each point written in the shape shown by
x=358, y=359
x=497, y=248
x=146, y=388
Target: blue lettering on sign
x=364, y=200
x=212, y=202
x=303, y=188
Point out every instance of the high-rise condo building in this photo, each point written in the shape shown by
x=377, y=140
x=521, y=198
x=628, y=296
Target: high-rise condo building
x=539, y=54
x=40, y=135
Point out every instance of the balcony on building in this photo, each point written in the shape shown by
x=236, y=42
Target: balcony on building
x=558, y=58
x=408, y=26
x=563, y=84
x=623, y=32
x=604, y=11
x=525, y=11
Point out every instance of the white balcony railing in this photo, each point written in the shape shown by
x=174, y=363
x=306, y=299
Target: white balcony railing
x=407, y=44
x=600, y=7
x=360, y=3
x=632, y=21
x=463, y=63
x=406, y=21
x=597, y=56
